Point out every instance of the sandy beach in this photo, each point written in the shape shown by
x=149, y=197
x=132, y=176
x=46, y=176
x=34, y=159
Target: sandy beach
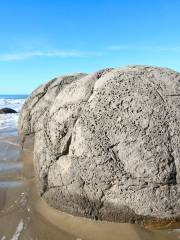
x=24, y=215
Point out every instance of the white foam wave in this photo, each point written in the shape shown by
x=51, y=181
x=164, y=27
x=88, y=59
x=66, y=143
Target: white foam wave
x=18, y=231
x=10, y=121
x=15, y=104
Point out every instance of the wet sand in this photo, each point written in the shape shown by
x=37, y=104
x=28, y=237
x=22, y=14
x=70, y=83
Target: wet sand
x=24, y=215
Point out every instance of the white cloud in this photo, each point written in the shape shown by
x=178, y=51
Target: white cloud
x=143, y=48
x=55, y=53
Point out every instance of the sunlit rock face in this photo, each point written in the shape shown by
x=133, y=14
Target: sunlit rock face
x=107, y=145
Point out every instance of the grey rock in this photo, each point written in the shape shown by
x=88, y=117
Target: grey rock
x=107, y=145
x=7, y=110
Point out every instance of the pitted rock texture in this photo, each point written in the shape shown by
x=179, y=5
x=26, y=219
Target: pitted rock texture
x=107, y=145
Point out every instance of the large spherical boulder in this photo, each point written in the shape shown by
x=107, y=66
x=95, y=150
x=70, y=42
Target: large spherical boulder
x=107, y=145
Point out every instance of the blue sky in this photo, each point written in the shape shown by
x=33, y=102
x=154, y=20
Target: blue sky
x=41, y=39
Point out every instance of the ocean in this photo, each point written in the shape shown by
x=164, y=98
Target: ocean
x=9, y=121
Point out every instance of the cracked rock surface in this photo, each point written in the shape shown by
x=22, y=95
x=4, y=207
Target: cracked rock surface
x=107, y=145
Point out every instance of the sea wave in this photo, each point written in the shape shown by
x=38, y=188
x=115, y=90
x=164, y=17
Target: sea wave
x=10, y=121
x=15, y=104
